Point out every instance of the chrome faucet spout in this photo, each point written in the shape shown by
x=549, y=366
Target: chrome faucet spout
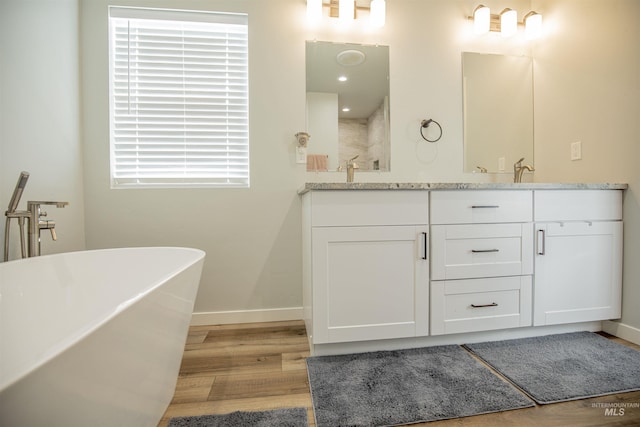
x=351, y=167
x=518, y=170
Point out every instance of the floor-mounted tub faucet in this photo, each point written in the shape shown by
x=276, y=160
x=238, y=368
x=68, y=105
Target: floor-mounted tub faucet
x=519, y=168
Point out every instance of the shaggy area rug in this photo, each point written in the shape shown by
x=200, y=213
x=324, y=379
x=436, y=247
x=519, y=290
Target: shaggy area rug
x=406, y=386
x=288, y=417
x=557, y=368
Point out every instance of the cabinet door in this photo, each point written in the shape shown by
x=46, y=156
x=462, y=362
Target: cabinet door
x=369, y=283
x=578, y=272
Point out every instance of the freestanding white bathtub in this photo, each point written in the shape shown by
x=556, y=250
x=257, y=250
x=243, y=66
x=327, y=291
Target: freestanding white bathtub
x=94, y=338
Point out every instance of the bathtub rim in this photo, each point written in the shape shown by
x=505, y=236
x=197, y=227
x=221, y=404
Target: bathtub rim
x=84, y=331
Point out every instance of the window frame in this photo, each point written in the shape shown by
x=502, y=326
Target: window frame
x=206, y=162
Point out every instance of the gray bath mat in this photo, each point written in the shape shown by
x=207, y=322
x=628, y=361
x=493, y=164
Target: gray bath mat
x=289, y=417
x=556, y=368
x=405, y=386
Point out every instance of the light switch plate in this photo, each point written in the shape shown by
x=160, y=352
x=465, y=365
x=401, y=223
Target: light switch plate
x=301, y=155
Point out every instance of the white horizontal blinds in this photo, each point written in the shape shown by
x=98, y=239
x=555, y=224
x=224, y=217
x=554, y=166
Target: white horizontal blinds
x=179, y=99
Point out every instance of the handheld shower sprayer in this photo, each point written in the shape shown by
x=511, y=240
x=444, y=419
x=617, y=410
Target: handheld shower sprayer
x=17, y=192
x=12, y=212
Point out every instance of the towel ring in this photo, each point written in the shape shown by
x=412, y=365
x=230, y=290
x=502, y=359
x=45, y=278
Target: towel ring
x=425, y=124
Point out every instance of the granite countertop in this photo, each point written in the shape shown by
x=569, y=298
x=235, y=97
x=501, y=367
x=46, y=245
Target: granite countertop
x=337, y=186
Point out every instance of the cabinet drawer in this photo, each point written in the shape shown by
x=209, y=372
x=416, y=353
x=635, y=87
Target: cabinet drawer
x=480, y=304
x=484, y=250
x=368, y=208
x=481, y=207
x=576, y=205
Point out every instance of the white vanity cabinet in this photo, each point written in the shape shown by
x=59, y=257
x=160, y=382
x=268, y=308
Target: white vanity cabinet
x=368, y=275
x=388, y=266
x=578, y=256
x=481, y=260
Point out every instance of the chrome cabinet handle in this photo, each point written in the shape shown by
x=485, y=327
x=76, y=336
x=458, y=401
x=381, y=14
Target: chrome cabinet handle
x=484, y=206
x=425, y=245
x=479, y=251
x=541, y=242
x=493, y=304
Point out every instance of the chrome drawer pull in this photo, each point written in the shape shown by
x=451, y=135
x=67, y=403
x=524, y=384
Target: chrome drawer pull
x=478, y=251
x=484, y=206
x=493, y=304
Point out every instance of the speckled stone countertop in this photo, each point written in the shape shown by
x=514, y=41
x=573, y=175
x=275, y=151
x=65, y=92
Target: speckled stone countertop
x=337, y=186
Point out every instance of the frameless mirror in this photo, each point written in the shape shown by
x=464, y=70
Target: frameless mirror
x=498, y=111
x=348, y=104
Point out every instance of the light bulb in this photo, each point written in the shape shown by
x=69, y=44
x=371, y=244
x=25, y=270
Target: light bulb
x=481, y=19
x=532, y=25
x=346, y=10
x=314, y=11
x=377, y=13
x=508, y=22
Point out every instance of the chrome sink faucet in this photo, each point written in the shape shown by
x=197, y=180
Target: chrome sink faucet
x=518, y=170
x=351, y=168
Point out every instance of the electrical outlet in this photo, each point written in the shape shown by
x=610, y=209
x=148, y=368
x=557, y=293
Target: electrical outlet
x=501, y=161
x=576, y=150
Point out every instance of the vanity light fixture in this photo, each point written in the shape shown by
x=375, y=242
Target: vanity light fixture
x=506, y=23
x=347, y=11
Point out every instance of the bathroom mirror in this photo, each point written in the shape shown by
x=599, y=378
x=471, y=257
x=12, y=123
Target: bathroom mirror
x=348, y=104
x=498, y=111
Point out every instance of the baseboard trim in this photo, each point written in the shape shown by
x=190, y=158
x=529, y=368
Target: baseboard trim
x=622, y=330
x=246, y=316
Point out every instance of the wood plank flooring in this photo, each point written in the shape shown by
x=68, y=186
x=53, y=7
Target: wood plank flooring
x=260, y=366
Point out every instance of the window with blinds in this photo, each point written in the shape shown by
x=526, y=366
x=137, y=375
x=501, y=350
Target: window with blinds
x=178, y=98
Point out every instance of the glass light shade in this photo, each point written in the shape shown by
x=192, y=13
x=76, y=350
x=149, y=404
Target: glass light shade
x=314, y=11
x=346, y=10
x=508, y=23
x=377, y=16
x=532, y=25
x=481, y=19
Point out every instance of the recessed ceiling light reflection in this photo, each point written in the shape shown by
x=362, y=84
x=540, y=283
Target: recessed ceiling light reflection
x=342, y=79
x=346, y=109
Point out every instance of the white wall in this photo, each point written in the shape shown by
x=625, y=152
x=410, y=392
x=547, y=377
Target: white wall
x=587, y=88
x=252, y=237
x=40, y=114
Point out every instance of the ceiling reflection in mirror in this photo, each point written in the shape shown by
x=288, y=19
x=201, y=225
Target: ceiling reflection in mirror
x=348, y=104
x=498, y=111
